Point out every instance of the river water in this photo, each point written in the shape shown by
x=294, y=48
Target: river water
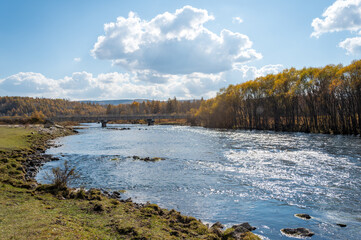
x=230, y=176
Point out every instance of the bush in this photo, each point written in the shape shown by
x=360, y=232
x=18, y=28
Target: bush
x=61, y=177
x=37, y=117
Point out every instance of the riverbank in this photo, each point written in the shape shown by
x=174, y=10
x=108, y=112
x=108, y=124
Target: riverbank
x=32, y=211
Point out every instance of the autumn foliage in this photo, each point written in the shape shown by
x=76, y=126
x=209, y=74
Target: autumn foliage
x=39, y=109
x=44, y=107
x=171, y=106
x=320, y=100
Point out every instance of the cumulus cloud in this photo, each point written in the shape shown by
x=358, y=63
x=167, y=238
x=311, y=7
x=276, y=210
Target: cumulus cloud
x=341, y=15
x=242, y=73
x=77, y=59
x=237, y=20
x=250, y=72
x=352, y=45
x=28, y=83
x=172, y=43
x=173, y=54
x=84, y=85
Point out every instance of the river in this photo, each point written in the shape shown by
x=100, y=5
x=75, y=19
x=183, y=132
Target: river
x=230, y=176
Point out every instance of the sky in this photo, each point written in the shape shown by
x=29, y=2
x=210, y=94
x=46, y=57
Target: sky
x=160, y=49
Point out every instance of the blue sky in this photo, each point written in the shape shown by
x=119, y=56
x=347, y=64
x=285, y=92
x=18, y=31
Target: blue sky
x=186, y=49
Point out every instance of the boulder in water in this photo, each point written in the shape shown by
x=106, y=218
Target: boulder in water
x=297, y=232
x=303, y=216
x=341, y=225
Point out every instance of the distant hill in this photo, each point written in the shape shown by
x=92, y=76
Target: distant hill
x=114, y=102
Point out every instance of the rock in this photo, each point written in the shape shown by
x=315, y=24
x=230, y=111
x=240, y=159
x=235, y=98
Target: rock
x=116, y=193
x=245, y=225
x=48, y=123
x=120, y=129
x=98, y=207
x=240, y=231
x=341, y=225
x=33, y=185
x=297, y=232
x=32, y=169
x=155, y=159
x=105, y=192
x=61, y=197
x=216, y=231
x=128, y=200
x=303, y=216
x=217, y=225
x=148, y=159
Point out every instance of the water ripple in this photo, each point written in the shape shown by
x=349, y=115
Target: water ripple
x=228, y=176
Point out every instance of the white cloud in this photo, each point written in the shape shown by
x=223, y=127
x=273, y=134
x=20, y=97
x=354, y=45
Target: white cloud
x=341, y=15
x=172, y=43
x=28, y=83
x=250, y=72
x=77, y=59
x=242, y=73
x=352, y=45
x=237, y=20
x=173, y=54
x=83, y=85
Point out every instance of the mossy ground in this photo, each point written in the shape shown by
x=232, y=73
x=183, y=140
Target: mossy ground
x=40, y=213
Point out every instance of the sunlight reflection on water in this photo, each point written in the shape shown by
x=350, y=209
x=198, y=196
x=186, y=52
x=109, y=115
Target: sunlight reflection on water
x=228, y=176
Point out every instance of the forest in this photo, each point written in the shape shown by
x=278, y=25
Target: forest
x=27, y=106
x=318, y=100
x=171, y=106
x=41, y=108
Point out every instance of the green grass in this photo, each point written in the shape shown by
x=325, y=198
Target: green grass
x=42, y=213
x=14, y=138
x=28, y=214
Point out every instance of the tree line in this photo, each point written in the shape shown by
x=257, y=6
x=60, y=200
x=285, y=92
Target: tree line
x=319, y=100
x=45, y=108
x=171, y=106
x=28, y=106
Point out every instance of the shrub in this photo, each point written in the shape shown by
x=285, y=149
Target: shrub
x=37, y=117
x=61, y=177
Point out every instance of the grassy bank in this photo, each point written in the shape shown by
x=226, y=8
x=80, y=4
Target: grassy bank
x=14, y=138
x=32, y=211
